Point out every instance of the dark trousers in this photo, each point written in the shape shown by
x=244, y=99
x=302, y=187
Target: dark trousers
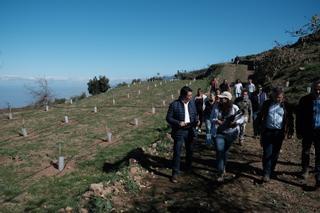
x=200, y=114
x=271, y=141
x=256, y=130
x=182, y=136
x=313, y=138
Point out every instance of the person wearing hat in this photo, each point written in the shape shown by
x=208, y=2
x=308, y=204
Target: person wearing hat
x=227, y=131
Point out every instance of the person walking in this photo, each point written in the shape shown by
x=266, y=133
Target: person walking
x=199, y=100
x=183, y=119
x=276, y=121
x=238, y=87
x=227, y=131
x=244, y=104
x=308, y=129
x=210, y=113
x=257, y=100
x=224, y=86
x=251, y=87
x=214, y=85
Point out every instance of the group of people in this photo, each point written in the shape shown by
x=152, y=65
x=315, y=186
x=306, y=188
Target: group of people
x=225, y=120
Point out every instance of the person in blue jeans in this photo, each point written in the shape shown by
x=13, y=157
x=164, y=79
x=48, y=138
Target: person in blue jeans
x=227, y=131
x=210, y=114
x=276, y=121
x=183, y=119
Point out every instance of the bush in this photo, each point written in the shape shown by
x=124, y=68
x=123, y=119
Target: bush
x=59, y=101
x=121, y=84
x=79, y=97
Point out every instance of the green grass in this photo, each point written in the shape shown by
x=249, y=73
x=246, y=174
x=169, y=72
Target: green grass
x=22, y=190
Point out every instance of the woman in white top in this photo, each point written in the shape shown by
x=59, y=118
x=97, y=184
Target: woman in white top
x=228, y=121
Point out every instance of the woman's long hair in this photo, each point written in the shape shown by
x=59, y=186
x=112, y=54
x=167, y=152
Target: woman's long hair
x=225, y=107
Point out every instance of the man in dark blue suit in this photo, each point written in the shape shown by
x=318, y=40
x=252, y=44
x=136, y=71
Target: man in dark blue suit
x=183, y=119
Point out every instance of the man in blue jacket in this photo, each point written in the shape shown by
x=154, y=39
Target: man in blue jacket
x=183, y=119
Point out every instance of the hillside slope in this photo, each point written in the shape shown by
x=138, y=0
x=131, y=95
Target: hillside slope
x=298, y=64
x=29, y=178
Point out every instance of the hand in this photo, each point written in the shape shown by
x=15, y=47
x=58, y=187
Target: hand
x=198, y=123
x=219, y=122
x=182, y=124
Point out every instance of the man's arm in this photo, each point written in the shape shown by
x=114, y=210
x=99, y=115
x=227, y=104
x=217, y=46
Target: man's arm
x=290, y=121
x=170, y=118
x=249, y=111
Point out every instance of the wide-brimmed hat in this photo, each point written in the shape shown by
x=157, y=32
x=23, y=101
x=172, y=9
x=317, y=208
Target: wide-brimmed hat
x=225, y=94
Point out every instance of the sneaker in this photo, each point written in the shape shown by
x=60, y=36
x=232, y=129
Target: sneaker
x=174, y=179
x=266, y=179
x=220, y=178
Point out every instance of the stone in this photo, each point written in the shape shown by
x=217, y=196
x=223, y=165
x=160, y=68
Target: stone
x=133, y=170
x=97, y=188
x=69, y=210
x=83, y=210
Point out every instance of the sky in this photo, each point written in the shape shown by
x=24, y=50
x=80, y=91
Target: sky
x=126, y=39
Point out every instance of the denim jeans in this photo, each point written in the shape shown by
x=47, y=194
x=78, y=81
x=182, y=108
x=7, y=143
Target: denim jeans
x=186, y=137
x=306, y=146
x=208, y=131
x=208, y=125
x=271, y=141
x=223, y=143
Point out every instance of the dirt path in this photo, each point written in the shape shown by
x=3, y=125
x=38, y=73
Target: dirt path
x=242, y=191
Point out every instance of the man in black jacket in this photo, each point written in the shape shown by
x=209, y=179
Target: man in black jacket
x=183, y=119
x=276, y=121
x=308, y=129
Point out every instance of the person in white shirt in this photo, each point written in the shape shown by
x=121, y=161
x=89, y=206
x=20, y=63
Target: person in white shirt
x=238, y=87
x=251, y=88
x=183, y=119
x=228, y=121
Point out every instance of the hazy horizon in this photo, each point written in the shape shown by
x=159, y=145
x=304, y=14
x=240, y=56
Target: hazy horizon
x=17, y=94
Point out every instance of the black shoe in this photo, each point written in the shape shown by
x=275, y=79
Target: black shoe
x=174, y=179
x=266, y=178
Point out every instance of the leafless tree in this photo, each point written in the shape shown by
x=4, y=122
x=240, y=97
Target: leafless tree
x=42, y=94
x=312, y=26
